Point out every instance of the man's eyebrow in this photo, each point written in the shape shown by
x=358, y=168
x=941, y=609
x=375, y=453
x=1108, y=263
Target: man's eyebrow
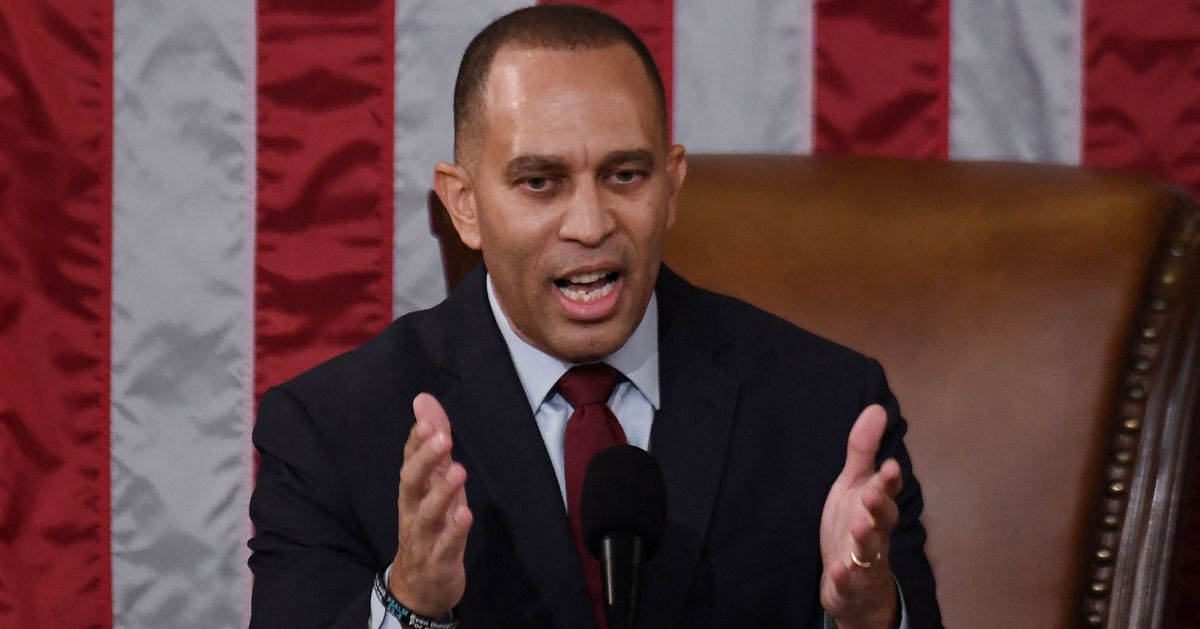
x=633, y=157
x=525, y=165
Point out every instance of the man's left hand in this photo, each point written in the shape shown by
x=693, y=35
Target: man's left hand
x=860, y=512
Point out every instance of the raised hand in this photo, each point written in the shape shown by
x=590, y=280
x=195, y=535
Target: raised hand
x=427, y=574
x=860, y=512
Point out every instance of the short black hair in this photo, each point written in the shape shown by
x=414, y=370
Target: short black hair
x=542, y=27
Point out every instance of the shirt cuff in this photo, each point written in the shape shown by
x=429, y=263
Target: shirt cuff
x=379, y=618
x=830, y=624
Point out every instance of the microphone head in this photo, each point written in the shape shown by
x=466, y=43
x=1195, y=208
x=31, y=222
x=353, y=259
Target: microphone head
x=623, y=492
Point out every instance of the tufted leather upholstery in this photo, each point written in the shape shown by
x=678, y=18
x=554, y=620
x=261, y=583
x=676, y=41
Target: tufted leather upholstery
x=1041, y=328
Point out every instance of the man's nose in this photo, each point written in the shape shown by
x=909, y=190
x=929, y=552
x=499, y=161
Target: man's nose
x=588, y=218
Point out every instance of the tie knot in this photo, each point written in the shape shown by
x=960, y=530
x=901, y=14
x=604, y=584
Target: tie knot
x=588, y=384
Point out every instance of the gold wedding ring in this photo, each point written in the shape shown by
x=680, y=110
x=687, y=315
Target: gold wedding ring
x=863, y=564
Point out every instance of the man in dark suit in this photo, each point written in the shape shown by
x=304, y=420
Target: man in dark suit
x=788, y=504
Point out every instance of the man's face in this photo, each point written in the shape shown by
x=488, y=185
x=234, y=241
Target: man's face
x=572, y=189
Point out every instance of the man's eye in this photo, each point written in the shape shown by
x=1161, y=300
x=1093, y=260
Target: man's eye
x=537, y=184
x=625, y=176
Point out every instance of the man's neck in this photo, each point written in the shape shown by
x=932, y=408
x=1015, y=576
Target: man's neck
x=637, y=358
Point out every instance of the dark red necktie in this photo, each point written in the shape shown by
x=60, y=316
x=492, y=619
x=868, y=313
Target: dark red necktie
x=591, y=428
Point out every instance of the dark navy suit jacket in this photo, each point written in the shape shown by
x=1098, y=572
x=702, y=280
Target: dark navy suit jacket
x=750, y=435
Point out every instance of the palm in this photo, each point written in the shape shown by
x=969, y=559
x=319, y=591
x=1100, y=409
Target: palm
x=856, y=522
x=835, y=520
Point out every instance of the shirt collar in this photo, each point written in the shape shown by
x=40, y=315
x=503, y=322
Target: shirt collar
x=538, y=371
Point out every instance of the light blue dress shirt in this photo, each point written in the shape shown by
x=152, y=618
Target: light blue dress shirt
x=634, y=403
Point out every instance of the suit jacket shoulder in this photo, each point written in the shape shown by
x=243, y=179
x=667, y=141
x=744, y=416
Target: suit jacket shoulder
x=754, y=342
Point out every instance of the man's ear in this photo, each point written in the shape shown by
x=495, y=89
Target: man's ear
x=676, y=173
x=454, y=188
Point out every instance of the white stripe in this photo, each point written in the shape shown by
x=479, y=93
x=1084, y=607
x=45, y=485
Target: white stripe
x=249, y=88
x=183, y=235
x=430, y=38
x=1015, y=87
x=743, y=76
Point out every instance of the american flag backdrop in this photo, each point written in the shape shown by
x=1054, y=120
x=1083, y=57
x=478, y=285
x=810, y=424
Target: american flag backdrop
x=199, y=199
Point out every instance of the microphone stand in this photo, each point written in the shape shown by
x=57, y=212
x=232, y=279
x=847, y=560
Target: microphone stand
x=621, y=556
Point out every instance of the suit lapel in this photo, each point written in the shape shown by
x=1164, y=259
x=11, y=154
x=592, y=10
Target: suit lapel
x=689, y=439
x=493, y=425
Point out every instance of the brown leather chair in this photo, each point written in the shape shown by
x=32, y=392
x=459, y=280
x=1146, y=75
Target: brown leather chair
x=1041, y=328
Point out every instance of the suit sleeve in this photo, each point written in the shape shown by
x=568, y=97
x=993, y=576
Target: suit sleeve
x=312, y=565
x=908, y=561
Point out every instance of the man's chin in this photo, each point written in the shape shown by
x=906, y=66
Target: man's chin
x=590, y=345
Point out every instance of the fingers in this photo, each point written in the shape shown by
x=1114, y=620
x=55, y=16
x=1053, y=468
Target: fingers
x=856, y=596
x=876, y=513
x=432, y=486
x=882, y=488
x=428, y=456
x=451, y=545
x=429, y=419
x=868, y=540
x=435, y=509
x=889, y=474
x=419, y=433
x=445, y=516
x=428, y=447
x=853, y=584
x=859, y=516
x=434, y=519
x=863, y=443
x=427, y=409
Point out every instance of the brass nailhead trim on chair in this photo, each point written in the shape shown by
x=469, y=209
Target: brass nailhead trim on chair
x=1131, y=408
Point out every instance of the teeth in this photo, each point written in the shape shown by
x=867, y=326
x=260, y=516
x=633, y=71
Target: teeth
x=587, y=296
x=585, y=278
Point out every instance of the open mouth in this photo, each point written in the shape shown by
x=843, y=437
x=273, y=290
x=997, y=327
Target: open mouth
x=588, y=287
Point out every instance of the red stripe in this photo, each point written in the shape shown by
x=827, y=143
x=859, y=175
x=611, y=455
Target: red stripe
x=1142, y=94
x=882, y=77
x=654, y=22
x=55, y=309
x=324, y=228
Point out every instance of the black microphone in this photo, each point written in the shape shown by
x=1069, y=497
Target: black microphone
x=622, y=510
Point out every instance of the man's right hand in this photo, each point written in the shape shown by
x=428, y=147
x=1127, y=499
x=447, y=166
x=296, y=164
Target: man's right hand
x=427, y=575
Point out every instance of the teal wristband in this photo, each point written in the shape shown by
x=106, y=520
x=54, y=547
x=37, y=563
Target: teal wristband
x=407, y=617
